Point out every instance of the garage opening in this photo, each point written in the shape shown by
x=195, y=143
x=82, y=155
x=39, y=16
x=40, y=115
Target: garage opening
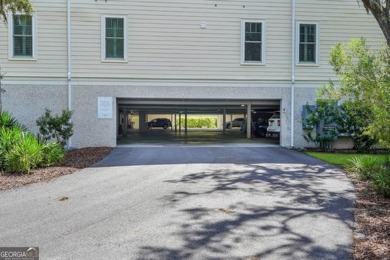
x=197, y=121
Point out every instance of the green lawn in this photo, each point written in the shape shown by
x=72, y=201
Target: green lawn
x=341, y=159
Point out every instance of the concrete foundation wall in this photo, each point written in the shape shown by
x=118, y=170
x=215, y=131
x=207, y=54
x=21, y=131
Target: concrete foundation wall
x=303, y=95
x=28, y=102
x=89, y=130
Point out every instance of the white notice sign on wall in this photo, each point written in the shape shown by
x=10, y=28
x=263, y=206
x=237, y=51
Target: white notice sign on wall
x=104, y=107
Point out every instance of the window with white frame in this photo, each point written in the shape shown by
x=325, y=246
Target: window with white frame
x=252, y=42
x=308, y=43
x=114, y=38
x=22, y=36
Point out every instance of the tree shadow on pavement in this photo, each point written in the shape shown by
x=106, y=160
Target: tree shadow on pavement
x=258, y=211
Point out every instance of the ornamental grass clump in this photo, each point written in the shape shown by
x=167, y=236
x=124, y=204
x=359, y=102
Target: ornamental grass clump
x=370, y=169
x=364, y=166
x=25, y=155
x=381, y=179
x=53, y=154
x=8, y=138
x=21, y=151
x=7, y=121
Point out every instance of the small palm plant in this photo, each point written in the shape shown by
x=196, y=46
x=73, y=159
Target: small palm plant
x=9, y=122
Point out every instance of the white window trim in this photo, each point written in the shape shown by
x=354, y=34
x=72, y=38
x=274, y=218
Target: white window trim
x=308, y=64
x=11, y=39
x=103, y=38
x=263, y=33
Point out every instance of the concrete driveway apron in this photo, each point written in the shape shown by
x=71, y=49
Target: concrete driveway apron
x=187, y=202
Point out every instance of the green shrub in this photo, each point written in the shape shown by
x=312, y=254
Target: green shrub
x=381, y=180
x=26, y=154
x=322, y=118
x=354, y=121
x=21, y=152
x=58, y=127
x=9, y=122
x=8, y=138
x=52, y=154
x=364, y=166
x=370, y=168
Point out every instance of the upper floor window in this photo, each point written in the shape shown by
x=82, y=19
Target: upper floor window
x=252, y=42
x=22, y=36
x=308, y=41
x=114, y=38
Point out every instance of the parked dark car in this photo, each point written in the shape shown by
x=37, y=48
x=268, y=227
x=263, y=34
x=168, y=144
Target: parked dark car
x=259, y=127
x=160, y=122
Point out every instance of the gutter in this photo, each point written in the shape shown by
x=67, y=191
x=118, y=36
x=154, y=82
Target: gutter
x=293, y=49
x=69, y=72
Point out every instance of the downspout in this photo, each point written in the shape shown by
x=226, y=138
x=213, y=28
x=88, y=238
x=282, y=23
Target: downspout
x=69, y=74
x=293, y=49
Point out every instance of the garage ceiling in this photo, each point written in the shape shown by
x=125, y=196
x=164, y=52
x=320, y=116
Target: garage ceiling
x=192, y=106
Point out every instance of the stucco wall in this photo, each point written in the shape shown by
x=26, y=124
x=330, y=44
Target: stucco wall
x=91, y=131
x=303, y=95
x=28, y=102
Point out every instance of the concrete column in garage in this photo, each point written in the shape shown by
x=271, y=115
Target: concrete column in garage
x=175, y=123
x=185, y=123
x=142, y=122
x=180, y=122
x=224, y=121
x=125, y=122
x=171, y=122
x=249, y=121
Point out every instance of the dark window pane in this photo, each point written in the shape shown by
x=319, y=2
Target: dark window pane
x=114, y=48
x=307, y=53
x=253, y=41
x=253, y=37
x=118, y=33
x=253, y=27
x=114, y=33
x=252, y=51
x=120, y=23
x=22, y=46
x=247, y=27
x=307, y=33
x=114, y=38
x=307, y=43
x=22, y=35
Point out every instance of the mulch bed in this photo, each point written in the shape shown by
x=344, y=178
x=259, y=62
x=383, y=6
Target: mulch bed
x=372, y=215
x=372, y=223
x=74, y=160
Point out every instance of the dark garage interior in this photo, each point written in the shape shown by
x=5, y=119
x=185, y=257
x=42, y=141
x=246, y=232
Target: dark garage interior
x=194, y=121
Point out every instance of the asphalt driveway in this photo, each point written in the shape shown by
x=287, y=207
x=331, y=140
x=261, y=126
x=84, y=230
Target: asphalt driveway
x=176, y=202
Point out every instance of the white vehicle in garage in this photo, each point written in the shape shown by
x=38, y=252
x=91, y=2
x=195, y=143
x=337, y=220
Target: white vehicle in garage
x=274, y=124
x=237, y=122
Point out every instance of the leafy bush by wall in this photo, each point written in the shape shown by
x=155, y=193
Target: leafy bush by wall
x=58, y=127
x=320, y=124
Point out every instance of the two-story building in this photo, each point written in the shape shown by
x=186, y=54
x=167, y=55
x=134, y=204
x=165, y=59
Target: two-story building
x=97, y=57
